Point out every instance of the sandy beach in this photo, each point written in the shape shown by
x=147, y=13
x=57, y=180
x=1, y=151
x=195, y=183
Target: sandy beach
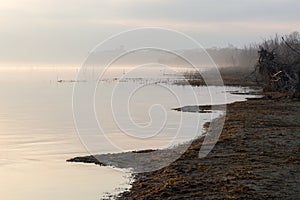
x=257, y=157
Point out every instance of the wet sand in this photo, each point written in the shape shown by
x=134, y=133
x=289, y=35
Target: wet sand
x=257, y=157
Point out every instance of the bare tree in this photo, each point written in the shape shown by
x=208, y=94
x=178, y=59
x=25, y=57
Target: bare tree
x=278, y=66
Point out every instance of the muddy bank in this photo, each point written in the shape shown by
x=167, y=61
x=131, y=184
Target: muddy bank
x=257, y=156
x=137, y=161
x=200, y=109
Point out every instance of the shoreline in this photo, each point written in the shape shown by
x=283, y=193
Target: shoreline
x=244, y=163
x=257, y=156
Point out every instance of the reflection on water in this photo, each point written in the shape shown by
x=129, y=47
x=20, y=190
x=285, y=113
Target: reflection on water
x=57, y=180
x=37, y=134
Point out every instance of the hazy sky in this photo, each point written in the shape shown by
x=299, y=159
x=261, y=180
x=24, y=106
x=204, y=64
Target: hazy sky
x=64, y=31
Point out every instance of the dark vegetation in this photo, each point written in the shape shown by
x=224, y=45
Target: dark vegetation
x=273, y=65
x=278, y=67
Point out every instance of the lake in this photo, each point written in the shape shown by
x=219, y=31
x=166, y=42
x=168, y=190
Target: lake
x=38, y=133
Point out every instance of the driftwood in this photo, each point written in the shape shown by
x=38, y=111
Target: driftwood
x=278, y=65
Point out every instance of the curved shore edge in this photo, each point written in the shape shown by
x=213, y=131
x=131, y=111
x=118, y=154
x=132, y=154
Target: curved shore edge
x=257, y=157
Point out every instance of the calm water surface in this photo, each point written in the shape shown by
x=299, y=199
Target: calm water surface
x=37, y=134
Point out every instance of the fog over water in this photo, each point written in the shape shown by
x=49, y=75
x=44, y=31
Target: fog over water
x=38, y=133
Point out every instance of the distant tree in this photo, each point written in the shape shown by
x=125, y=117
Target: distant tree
x=278, y=66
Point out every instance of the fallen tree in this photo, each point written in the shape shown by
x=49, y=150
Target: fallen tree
x=278, y=67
